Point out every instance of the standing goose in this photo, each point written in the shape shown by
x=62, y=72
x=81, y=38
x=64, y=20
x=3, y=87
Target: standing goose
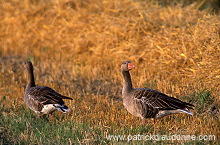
x=147, y=103
x=42, y=99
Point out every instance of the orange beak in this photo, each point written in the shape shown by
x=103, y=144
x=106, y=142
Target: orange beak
x=131, y=66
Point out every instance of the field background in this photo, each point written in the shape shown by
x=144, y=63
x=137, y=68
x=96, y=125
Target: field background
x=77, y=48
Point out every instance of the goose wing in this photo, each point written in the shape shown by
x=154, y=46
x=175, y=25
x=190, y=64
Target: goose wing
x=46, y=95
x=155, y=99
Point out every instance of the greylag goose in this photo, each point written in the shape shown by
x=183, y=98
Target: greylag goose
x=42, y=99
x=147, y=103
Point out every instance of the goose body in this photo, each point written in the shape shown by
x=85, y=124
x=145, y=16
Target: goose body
x=42, y=99
x=148, y=103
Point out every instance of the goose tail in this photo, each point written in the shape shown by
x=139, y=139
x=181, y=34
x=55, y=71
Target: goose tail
x=62, y=108
x=185, y=111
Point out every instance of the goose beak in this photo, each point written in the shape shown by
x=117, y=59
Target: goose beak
x=131, y=66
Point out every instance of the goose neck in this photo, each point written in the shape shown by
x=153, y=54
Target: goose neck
x=127, y=87
x=31, y=82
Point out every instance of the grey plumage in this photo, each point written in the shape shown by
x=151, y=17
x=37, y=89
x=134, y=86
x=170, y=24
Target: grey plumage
x=42, y=99
x=147, y=103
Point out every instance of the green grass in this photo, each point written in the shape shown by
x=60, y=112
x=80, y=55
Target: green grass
x=18, y=125
x=203, y=100
x=21, y=126
x=24, y=127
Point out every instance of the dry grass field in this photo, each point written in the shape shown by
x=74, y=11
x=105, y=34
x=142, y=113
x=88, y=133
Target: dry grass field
x=77, y=48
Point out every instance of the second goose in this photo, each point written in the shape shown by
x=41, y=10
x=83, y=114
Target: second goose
x=42, y=99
